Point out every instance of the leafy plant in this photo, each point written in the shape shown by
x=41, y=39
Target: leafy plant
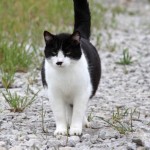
x=19, y=103
x=122, y=120
x=127, y=59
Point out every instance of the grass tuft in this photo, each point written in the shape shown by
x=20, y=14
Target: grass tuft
x=122, y=119
x=7, y=79
x=15, y=57
x=18, y=103
x=127, y=58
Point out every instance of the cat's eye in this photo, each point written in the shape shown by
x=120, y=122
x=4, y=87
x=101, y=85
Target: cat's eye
x=54, y=53
x=68, y=53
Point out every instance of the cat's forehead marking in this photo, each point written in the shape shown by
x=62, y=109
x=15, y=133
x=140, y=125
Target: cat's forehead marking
x=60, y=54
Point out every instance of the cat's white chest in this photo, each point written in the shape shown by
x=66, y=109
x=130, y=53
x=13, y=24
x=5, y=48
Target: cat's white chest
x=70, y=81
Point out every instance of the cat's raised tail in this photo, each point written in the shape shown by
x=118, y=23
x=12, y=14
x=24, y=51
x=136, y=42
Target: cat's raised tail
x=82, y=18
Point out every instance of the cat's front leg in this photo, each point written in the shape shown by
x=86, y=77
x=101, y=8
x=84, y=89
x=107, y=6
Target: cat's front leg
x=58, y=108
x=79, y=108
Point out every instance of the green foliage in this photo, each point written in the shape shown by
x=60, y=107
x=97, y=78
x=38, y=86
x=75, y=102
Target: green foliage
x=127, y=59
x=98, y=12
x=19, y=103
x=26, y=20
x=7, y=79
x=118, y=10
x=122, y=119
x=15, y=57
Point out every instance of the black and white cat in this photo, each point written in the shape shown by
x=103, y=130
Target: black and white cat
x=71, y=72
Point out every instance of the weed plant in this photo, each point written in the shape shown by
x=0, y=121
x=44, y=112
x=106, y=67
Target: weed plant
x=122, y=119
x=15, y=57
x=7, y=79
x=127, y=58
x=18, y=103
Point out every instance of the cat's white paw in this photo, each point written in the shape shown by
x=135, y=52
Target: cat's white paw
x=75, y=131
x=60, y=131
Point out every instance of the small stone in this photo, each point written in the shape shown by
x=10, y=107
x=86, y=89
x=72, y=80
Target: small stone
x=109, y=134
x=83, y=146
x=137, y=141
x=85, y=137
x=73, y=140
x=2, y=148
x=32, y=136
x=65, y=148
x=131, y=146
x=31, y=142
x=147, y=145
x=108, y=56
x=52, y=143
x=15, y=148
x=21, y=138
x=102, y=135
x=140, y=148
x=63, y=140
x=2, y=144
x=96, y=125
x=94, y=139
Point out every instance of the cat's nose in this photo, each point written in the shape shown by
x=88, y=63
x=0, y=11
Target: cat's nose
x=59, y=63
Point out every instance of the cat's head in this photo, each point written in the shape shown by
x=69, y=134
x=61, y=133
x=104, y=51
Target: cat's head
x=62, y=50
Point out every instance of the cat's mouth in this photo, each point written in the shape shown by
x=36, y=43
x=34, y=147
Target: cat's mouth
x=60, y=66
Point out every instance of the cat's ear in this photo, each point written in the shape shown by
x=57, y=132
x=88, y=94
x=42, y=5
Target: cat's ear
x=48, y=36
x=76, y=37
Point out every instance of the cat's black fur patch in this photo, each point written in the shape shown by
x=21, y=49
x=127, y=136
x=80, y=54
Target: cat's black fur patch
x=65, y=42
x=82, y=18
x=94, y=63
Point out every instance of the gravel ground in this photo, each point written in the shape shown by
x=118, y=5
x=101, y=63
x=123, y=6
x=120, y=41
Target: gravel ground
x=122, y=87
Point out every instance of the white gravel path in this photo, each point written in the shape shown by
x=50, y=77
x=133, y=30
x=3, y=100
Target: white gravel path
x=121, y=88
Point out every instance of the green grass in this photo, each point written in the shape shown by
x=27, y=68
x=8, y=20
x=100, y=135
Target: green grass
x=126, y=59
x=15, y=57
x=122, y=119
x=7, y=79
x=18, y=103
x=26, y=20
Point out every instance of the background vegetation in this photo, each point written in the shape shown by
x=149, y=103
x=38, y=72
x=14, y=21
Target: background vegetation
x=22, y=24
